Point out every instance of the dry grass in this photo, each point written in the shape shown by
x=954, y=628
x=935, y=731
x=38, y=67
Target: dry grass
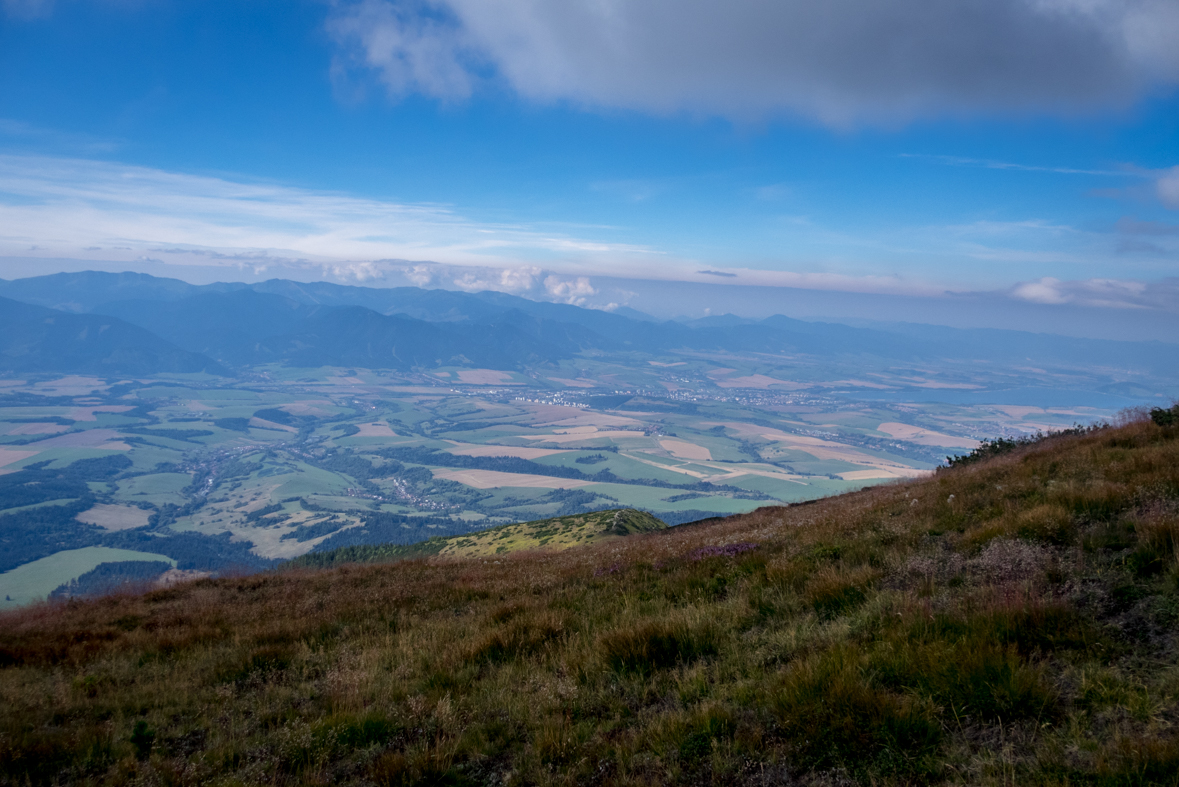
x=1009, y=622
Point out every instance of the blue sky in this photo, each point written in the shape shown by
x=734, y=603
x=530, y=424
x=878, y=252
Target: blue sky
x=1024, y=153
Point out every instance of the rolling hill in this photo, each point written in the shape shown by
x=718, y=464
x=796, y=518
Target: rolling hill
x=550, y=534
x=1011, y=619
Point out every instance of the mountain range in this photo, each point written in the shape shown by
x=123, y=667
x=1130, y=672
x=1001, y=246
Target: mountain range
x=132, y=323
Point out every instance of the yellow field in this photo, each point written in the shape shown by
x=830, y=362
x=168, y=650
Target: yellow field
x=915, y=434
x=492, y=479
x=682, y=449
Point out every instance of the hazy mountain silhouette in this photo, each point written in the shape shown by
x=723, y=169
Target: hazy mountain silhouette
x=319, y=323
x=37, y=339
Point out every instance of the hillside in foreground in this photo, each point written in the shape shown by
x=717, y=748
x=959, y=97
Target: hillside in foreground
x=1006, y=621
x=563, y=532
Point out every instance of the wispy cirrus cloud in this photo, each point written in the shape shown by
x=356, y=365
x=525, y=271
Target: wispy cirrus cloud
x=149, y=219
x=67, y=206
x=960, y=161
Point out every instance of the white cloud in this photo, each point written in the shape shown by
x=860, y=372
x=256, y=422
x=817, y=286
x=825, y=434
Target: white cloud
x=1105, y=293
x=69, y=206
x=411, y=51
x=1046, y=290
x=573, y=291
x=420, y=275
x=512, y=280
x=840, y=61
x=1168, y=187
x=162, y=222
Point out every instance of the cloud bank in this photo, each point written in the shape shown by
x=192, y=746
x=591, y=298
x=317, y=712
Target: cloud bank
x=68, y=206
x=153, y=220
x=838, y=61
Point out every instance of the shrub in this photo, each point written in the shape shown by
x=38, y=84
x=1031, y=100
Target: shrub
x=998, y=446
x=1095, y=501
x=835, y=717
x=394, y=769
x=1158, y=543
x=710, y=724
x=1165, y=417
x=973, y=677
x=1050, y=524
x=142, y=739
x=517, y=638
x=833, y=592
x=1129, y=762
x=652, y=645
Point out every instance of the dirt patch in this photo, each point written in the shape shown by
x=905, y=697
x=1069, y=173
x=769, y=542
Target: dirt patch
x=492, y=479
x=114, y=517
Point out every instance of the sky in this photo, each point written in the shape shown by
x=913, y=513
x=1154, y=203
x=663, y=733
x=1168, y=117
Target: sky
x=982, y=163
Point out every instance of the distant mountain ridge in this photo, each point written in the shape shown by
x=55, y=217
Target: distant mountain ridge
x=37, y=339
x=319, y=323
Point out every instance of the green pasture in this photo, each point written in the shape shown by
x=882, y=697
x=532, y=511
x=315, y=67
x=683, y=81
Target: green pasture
x=18, y=509
x=308, y=480
x=619, y=464
x=61, y=457
x=36, y=580
x=157, y=488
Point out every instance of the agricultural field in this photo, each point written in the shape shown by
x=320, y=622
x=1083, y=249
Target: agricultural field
x=214, y=473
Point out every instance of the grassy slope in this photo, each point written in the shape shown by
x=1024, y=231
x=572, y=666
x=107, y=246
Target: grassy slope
x=551, y=534
x=1012, y=621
